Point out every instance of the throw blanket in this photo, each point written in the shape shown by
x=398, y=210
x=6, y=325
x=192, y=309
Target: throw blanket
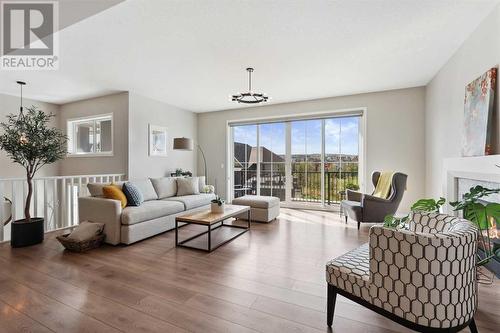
x=383, y=188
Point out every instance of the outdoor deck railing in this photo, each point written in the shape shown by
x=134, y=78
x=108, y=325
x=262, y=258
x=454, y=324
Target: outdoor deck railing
x=306, y=186
x=54, y=198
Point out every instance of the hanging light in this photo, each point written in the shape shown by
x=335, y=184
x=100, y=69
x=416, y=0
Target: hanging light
x=249, y=97
x=21, y=84
x=23, y=140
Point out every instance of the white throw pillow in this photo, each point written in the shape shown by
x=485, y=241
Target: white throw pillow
x=188, y=186
x=165, y=187
x=85, y=231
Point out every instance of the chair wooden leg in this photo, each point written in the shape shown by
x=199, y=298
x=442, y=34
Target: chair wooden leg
x=359, y=225
x=331, y=298
x=346, y=219
x=472, y=326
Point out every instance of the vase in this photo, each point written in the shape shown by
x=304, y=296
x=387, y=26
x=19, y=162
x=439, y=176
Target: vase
x=215, y=208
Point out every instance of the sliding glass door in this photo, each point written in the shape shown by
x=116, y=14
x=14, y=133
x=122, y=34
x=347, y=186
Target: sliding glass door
x=300, y=161
x=272, y=159
x=244, y=160
x=306, y=160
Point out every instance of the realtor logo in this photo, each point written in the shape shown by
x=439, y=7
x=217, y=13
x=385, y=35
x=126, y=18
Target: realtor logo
x=27, y=37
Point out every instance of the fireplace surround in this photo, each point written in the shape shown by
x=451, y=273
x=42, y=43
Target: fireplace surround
x=460, y=174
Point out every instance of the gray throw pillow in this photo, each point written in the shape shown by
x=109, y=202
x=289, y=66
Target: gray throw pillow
x=133, y=194
x=165, y=187
x=188, y=186
x=146, y=188
x=85, y=231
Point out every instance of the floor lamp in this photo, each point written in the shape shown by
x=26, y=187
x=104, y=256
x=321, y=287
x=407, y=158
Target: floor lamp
x=188, y=144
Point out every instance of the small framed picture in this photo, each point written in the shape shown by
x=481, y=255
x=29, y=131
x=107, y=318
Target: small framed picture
x=158, y=138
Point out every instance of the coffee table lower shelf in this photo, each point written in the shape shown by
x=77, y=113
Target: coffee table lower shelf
x=215, y=238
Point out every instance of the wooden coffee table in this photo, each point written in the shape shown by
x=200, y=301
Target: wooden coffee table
x=215, y=224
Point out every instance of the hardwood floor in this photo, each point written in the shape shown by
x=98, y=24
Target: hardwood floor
x=271, y=279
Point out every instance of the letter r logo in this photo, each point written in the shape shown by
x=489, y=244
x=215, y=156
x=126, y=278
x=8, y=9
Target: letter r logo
x=28, y=28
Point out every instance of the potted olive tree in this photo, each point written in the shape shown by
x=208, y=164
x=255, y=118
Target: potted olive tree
x=29, y=140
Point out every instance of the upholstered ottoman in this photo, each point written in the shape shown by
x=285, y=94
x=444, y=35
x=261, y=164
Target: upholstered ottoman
x=263, y=209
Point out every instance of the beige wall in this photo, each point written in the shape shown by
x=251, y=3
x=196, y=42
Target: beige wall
x=180, y=123
x=10, y=104
x=394, y=138
x=445, y=98
x=116, y=104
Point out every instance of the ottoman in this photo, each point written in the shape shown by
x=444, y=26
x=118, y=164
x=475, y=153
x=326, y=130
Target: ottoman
x=262, y=208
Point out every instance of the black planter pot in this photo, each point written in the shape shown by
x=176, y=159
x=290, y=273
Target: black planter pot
x=27, y=233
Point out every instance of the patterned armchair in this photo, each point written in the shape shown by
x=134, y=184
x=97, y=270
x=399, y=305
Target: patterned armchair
x=423, y=278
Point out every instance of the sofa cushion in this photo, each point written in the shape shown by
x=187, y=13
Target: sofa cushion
x=150, y=210
x=95, y=189
x=115, y=192
x=133, y=194
x=146, y=188
x=165, y=187
x=193, y=201
x=257, y=201
x=351, y=272
x=188, y=186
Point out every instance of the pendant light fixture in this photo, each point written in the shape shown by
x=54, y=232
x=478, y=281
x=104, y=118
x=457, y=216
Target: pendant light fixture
x=21, y=84
x=249, y=97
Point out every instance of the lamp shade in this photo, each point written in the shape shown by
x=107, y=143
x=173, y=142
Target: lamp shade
x=183, y=144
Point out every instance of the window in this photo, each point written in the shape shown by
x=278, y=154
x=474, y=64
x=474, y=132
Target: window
x=91, y=135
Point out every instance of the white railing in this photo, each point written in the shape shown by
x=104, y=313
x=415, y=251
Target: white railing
x=54, y=198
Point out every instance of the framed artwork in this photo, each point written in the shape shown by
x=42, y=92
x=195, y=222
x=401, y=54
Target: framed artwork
x=478, y=113
x=158, y=138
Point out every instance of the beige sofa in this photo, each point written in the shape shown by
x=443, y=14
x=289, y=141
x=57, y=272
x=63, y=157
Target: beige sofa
x=155, y=215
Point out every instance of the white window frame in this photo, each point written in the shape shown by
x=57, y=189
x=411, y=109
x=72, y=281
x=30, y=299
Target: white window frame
x=70, y=130
x=362, y=141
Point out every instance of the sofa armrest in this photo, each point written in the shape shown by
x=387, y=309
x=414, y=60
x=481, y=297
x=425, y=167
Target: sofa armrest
x=353, y=195
x=105, y=211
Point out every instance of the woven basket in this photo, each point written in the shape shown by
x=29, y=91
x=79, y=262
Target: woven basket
x=82, y=246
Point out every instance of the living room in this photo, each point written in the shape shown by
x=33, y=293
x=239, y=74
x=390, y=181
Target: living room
x=199, y=166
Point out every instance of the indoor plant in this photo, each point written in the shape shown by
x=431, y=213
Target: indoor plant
x=217, y=205
x=422, y=205
x=483, y=214
x=29, y=141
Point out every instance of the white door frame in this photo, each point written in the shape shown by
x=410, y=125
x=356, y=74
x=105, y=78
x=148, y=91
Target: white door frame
x=362, y=159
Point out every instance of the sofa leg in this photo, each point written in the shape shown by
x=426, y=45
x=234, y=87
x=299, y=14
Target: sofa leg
x=359, y=225
x=331, y=298
x=472, y=326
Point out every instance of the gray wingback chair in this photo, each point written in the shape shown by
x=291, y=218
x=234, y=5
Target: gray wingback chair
x=368, y=208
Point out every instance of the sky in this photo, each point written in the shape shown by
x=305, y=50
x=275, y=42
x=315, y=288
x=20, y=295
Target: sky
x=341, y=136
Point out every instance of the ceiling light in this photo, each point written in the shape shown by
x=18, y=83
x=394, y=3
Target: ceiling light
x=249, y=97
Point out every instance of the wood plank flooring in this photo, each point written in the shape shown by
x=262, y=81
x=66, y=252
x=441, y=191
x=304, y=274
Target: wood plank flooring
x=270, y=279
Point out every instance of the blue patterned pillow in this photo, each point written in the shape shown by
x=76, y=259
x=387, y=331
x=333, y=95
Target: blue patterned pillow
x=133, y=194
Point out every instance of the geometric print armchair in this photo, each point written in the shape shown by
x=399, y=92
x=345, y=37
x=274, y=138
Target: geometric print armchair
x=423, y=278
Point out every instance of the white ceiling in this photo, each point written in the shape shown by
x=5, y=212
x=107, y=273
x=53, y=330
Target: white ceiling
x=192, y=54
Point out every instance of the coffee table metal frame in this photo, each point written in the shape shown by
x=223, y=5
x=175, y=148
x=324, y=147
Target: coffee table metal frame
x=219, y=224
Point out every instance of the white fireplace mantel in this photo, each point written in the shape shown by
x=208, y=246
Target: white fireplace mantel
x=481, y=168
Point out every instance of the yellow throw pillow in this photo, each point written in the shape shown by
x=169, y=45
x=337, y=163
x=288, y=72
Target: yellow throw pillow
x=115, y=192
